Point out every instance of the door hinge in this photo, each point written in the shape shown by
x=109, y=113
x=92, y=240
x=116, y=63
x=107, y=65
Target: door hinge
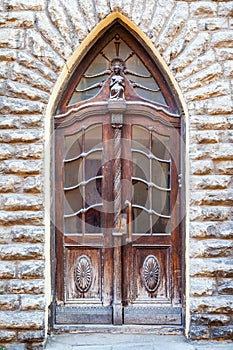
x=180, y=180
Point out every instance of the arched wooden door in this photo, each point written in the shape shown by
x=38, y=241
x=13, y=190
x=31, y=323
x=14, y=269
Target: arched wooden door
x=118, y=240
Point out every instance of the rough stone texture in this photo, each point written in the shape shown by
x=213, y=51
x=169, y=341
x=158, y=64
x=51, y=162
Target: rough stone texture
x=21, y=167
x=202, y=286
x=9, y=302
x=32, y=234
x=8, y=336
x=211, y=267
x=225, y=286
x=31, y=269
x=214, y=320
x=32, y=302
x=21, y=320
x=211, y=230
x=19, y=286
x=195, y=38
x=31, y=336
x=17, y=19
x=214, y=305
x=7, y=270
x=24, y=5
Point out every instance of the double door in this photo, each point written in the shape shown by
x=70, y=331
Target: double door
x=118, y=237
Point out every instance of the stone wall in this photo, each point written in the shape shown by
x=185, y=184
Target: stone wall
x=195, y=38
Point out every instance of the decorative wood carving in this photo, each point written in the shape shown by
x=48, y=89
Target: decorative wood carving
x=117, y=279
x=83, y=273
x=117, y=84
x=117, y=177
x=151, y=273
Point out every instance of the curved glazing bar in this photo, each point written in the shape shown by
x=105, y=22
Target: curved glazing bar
x=151, y=156
x=151, y=184
x=83, y=155
x=83, y=210
x=151, y=211
x=83, y=183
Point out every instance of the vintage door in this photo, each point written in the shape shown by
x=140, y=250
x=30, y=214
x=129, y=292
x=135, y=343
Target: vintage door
x=118, y=239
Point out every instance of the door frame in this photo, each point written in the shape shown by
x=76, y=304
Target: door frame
x=49, y=140
x=68, y=121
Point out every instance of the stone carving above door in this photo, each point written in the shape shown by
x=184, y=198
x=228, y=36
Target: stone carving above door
x=151, y=273
x=83, y=273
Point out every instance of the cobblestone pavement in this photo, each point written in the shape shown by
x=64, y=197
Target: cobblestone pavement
x=130, y=342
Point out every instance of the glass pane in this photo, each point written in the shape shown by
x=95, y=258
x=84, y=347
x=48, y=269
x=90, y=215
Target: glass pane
x=82, y=96
x=135, y=64
x=99, y=65
x=141, y=166
x=144, y=82
x=93, y=165
x=161, y=174
x=93, y=221
x=161, y=201
x=73, y=200
x=141, y=139
x=73, y=224
x=161, y=146
x=110, y=50
x=140, y=194
x=93, y=193
x=90, y=83
x=73, y=172
x=151, y=95
x=160, y=225
x=73, y=145
x=93, y=137
x=141, y=221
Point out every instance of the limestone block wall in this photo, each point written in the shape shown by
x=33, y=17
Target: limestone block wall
x=195, y=39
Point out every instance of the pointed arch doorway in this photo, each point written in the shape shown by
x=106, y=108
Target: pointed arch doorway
x=118, y=237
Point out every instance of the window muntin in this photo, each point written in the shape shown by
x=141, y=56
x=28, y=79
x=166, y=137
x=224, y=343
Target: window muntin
x=83, y=181
x=151, y=181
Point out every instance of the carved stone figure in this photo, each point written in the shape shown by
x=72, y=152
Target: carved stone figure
x=117, y=84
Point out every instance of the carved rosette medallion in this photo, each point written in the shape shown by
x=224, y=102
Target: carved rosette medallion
x=151, y=273
x=83, y=273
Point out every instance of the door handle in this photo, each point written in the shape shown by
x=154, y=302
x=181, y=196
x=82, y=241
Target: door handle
x=129, y=204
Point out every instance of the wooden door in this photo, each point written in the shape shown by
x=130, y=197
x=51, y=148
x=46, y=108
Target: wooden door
x=84, y=222
x=151, y=250
x=118, y=240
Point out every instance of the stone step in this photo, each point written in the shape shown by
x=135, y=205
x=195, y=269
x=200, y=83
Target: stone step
x=101, y=341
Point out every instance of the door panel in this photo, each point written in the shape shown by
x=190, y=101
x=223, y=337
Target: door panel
x=148, y=256
x=83, y=274
x=151, y=301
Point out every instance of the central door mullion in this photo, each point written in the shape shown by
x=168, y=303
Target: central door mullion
x=117, y=275
x=116, y=108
